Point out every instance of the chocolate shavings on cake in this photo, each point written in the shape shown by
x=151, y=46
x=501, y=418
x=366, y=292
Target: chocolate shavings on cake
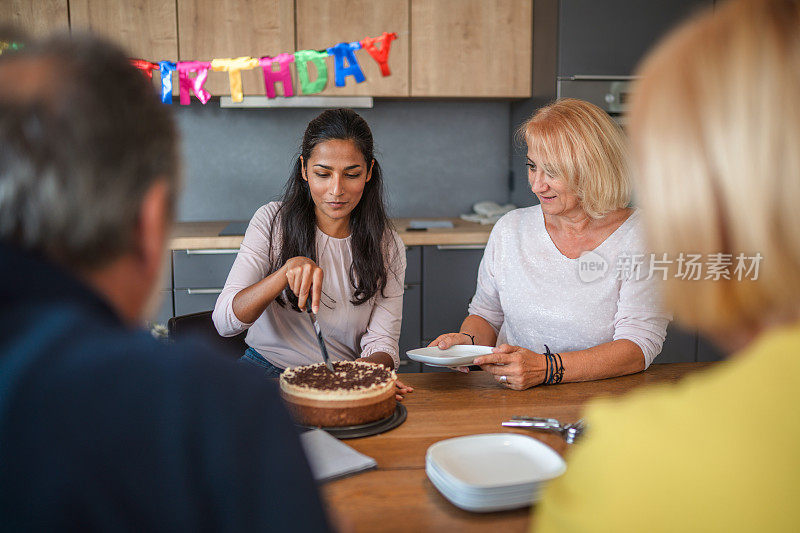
x=347, y=375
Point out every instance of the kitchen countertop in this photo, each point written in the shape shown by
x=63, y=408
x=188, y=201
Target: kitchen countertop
x=205, y=235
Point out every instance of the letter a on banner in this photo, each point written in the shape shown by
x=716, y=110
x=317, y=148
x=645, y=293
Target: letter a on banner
x=343, y=51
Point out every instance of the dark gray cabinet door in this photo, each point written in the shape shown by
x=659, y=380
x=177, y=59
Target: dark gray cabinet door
x=189, y=301
x=449, y=276
x=194, y=269
x=708, y=351
x=680, y=346
x=413, y=265
x=165, y=311
x=609, y=37
x=411, y=332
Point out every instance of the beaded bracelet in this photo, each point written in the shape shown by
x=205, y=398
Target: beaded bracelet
x=554, y=367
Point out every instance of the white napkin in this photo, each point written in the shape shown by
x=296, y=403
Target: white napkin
x=330, y=458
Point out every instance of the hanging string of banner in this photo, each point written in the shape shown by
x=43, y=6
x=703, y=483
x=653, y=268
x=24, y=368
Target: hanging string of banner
x=276, y=70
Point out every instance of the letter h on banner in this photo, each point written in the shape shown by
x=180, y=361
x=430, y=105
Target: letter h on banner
x=283, y=74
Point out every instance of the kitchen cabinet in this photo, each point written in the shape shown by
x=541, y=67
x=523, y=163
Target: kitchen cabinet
x=198, y=277
x=165, y=310
x=413, y=265
x=324, y=24
x=188, y=301
x=449, y=277
x=708, y=351
x=36, y=18
x=146, y=29
x=212, y=29
x=592, y=41
x=202, y=269
x=411, y=331
x=471, y=48
x=680, y=346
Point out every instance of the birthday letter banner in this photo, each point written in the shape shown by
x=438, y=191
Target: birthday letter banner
x=276, y=70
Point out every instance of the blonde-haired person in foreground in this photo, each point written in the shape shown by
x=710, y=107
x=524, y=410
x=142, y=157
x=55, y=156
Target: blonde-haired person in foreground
x=716, y=129
x=537, y=291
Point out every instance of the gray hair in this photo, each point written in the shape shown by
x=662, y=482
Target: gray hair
x=83, y=136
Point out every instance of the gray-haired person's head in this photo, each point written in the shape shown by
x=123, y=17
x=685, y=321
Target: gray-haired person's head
x=82, y=138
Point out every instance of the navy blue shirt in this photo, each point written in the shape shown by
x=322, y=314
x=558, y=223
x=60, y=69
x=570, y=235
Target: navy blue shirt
x=105, y=428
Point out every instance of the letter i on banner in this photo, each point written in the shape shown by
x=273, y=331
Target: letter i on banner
x=234, y=68
x=343, y=51
x=283, y=74
x=301, y=60
x=380, y=56
x=167, y=68
x=188, y=85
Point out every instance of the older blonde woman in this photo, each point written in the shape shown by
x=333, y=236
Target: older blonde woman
x=567, y=277
x=716, y=129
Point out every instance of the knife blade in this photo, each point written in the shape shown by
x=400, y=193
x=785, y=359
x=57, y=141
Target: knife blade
x=320, y=339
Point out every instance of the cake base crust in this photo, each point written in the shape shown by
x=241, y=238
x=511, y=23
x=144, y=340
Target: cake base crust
x=336, y=413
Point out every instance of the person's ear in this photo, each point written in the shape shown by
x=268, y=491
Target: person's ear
x=154, y=223
x=369, y=173
x=303, y=173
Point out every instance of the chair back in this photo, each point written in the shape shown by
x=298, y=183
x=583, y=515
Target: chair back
x=202, y=325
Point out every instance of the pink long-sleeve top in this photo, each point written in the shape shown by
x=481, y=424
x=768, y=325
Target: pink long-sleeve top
x=285, y=337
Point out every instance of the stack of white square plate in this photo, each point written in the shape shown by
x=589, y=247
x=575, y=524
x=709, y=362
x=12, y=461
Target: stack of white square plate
x=492, y=472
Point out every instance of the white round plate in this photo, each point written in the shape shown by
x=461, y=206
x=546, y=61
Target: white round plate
x=458, y=355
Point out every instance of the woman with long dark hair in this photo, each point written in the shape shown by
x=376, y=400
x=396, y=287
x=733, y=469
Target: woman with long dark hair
x=328, y=244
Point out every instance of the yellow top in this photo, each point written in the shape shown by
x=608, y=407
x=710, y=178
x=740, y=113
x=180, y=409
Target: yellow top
x=720, y=451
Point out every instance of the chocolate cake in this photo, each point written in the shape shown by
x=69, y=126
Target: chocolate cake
x=356, y=393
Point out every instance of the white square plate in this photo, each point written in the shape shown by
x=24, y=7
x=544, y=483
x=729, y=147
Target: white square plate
x=458, y=355
x=495, y=460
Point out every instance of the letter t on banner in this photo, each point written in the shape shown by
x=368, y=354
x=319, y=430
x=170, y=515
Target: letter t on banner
x=382, y=55
x=343, y=51
x=234, y=68
x=283, y=74
x=188, y=84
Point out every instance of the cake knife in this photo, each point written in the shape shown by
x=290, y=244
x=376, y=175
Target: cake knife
x=320, y=340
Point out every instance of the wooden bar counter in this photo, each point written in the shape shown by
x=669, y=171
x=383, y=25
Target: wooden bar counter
x=398, y=496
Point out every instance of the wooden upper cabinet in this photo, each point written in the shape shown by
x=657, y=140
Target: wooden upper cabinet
x=146, y=29
x=471, y=48
x=217, y=29
x=321, y=24
x=36, y=18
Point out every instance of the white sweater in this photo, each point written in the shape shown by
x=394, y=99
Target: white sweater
x=533, y=295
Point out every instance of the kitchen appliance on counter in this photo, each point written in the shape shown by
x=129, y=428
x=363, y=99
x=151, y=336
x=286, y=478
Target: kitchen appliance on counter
x=609, y=93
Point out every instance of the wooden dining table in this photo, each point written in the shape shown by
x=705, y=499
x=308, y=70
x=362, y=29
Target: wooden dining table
x=397, y=495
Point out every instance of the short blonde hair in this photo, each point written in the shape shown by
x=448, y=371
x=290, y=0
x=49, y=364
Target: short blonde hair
x=716, y=141
x=579, y=143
